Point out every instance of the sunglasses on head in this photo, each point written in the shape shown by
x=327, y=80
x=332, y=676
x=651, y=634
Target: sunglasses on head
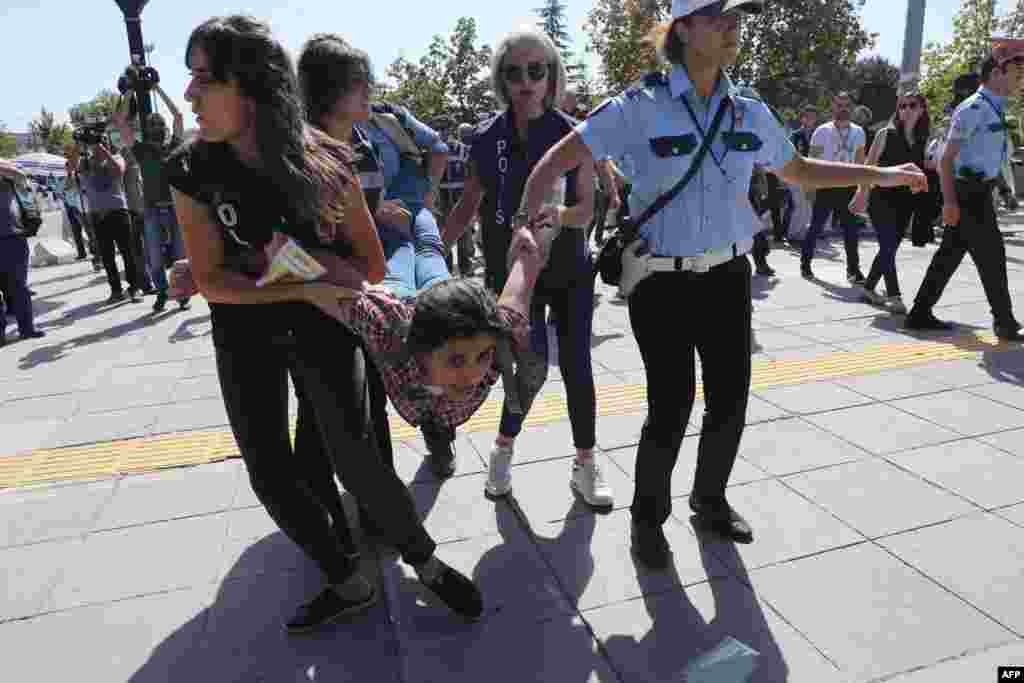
x=537, y=71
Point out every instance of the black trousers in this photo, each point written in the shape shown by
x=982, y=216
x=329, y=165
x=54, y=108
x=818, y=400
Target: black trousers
x=719, y=306
x=333, y=400
x=834, y=201
x=977, y=234
x=75, y=218
x=115, y=228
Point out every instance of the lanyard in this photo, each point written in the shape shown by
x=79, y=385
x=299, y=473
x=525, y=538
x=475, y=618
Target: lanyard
x=1002, y=120
x=703, y=134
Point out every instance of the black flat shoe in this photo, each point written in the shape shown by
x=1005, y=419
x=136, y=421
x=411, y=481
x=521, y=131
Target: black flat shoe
x=441, y=449
x=326, y=607
x=1009, y=333
x=458, y=592
x=650, y=546
x=926, y=322
x=765, y=271
x=33, y=334
x=717, y=516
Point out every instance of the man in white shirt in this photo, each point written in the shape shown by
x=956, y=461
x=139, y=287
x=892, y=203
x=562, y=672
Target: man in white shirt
x=844, y=141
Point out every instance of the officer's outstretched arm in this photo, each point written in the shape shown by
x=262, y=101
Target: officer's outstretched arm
x=569, y=153
x=818, y=174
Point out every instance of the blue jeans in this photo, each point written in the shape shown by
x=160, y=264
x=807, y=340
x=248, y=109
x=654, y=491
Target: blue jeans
x=161, y=220
x=417, y=263
x=834, y=201
x=14, y=277
x=890, y=221
x=573, y=310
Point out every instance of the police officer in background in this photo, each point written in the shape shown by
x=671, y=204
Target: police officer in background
x=971, y=162
x=690, y=262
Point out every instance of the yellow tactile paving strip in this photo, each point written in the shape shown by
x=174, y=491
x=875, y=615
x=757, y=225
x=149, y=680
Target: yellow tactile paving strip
x=192, y=448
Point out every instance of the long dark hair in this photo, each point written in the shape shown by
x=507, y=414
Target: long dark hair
x=328, y=68
x=923, y=127
x=311, y=169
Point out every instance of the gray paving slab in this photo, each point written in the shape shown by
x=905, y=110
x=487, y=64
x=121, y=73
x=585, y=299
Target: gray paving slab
x=657, y=637
x=794, y=445
x=1011, y=441
x=190, y=415
x=32, y=516
x=863, y=426
x=22, y=436
x=173, y=494
x=892, y=384
x=786, y=526
x=986, y=569
x=882, y=617
x=1014, y=513
x=966, y=413
x=543, y=492
x=852, y=492
x=62, y=406
x=1008, y=393
x=30, y=573
x=682, y=476
x=255, y=545
x=150, y=639
x=982, y=474
x=412, y=465
x=958, y=374
x=812, y=397
x=107, y=426
x=618, y=431
x=974, y=666
x=456, y=509
x=149, y=559
x=592, y=557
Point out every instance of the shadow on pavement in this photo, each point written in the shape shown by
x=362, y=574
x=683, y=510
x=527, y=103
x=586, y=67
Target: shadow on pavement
x=53, y=352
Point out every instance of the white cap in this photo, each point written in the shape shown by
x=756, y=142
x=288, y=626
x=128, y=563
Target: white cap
x=682, y=8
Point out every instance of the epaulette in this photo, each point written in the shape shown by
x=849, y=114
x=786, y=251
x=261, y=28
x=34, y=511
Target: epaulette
x=654, y=79
x=647, y=84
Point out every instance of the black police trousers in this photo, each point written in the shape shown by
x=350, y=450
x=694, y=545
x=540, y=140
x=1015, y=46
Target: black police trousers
x=712, y=314
x=977, y=234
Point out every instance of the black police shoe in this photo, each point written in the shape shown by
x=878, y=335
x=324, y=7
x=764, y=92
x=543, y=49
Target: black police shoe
x=856, y=278
x=805, y=271
x=916, y=320
x=161, y=301
x=455, y=590
x=650, y=546
x=441, y=448
x=1009, y=332
x=764, y=270
x=326, y=607
x=716, y=515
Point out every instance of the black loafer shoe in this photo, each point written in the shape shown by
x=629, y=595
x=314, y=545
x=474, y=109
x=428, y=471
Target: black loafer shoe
x=326, y=607
x=650, y=546
x=806, y=272
x=32, y=334
x=458, y=592
x=1009, y=332
x=765, y=270
x=926, y=322
x=716, y=515
x=441, y=448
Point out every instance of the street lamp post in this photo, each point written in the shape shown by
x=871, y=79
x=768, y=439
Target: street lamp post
x=912, y=38
x=132, y=10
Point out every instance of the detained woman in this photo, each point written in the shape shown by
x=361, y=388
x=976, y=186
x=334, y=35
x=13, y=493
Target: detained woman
x=891, y=208
x=256, y=169
x=528, y=77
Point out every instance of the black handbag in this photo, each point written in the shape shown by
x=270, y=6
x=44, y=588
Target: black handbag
x=31, y=218
x=609, y=260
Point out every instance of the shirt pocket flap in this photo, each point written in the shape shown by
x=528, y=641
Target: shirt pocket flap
x=742, y=141
x=673, y=145
x=996, y=127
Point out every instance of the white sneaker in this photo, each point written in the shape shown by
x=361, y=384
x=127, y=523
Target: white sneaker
x=896, y=305
x=499, y=472
x=588, y=481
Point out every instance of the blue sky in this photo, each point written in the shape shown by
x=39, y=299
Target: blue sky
x=65, y=51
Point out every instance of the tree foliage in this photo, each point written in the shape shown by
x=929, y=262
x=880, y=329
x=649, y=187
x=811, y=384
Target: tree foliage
x=451, y=79
x=795, y=52
x=8, y=143
x=103, y=104
x=52, y=136
x=553, y=22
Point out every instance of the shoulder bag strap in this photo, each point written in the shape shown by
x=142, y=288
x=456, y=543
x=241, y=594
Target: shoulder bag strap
x=698, y=159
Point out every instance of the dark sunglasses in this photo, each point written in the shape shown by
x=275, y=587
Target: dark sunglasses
x=910, y=105
x=537, y=71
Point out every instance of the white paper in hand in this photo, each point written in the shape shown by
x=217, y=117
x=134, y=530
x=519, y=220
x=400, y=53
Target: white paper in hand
x=291, y=263
x=730, y=662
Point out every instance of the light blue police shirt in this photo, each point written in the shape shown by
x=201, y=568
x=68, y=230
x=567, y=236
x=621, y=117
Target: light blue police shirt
x=649, y=124
x=979, y=128
x=402, y=180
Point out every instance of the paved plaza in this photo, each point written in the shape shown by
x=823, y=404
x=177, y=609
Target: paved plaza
x=883, y=474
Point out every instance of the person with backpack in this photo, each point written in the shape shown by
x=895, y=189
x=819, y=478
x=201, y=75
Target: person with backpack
x=14, y=254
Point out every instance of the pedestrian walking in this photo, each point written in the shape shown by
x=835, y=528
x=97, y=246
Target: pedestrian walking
x=891, y=209
x=694, y=143
x=529, y=78
x=976, y=147
x=14, y=256
x=838, y=140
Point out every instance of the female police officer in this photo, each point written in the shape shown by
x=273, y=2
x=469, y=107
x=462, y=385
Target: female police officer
x=692, y=250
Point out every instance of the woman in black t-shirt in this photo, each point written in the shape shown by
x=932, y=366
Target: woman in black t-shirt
x=256, y=168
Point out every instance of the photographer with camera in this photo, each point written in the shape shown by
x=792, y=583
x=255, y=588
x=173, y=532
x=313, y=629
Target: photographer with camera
x=163, y=241
x=102, y=176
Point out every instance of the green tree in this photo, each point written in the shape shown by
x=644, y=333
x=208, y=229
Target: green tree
x=103, y=104
x=617, y=31
x=972, y=30
x=553, y=22
x=51, y=135
x=8, y=143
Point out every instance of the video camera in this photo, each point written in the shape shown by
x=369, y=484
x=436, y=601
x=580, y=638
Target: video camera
x=138, y=79
x=91, y=131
